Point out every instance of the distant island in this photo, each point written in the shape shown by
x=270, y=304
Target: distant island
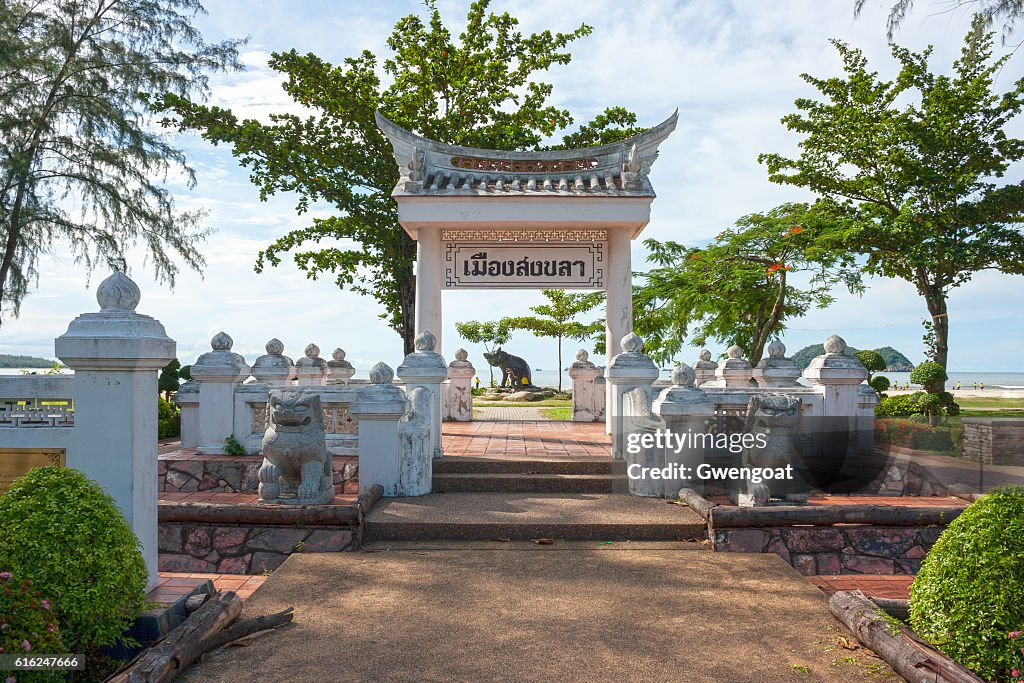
x=894, y=360
x=9, y=361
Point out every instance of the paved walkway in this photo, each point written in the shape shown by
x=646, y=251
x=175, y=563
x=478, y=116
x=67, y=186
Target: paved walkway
x=522, y=612
x=517, y=439
x=512, y=413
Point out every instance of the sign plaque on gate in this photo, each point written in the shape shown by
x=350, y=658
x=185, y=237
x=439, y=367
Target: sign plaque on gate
x=519, y=265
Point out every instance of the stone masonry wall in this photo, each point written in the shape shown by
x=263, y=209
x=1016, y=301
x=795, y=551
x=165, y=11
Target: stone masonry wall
x=236, y=549
x=236, y=473
x=994, y=441
x=847, y=549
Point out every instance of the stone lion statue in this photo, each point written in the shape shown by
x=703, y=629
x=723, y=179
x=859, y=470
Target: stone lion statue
x=777, y=418
x=297, y=468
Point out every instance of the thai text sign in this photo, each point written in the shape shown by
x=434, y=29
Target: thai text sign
x=524, y=265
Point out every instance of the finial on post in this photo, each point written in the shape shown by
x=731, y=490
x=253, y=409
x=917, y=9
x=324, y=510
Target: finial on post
x=118, y=293
x=632, y=343
x=835, y=344
x=381, y=374
x=221, y=342
x=425, y=341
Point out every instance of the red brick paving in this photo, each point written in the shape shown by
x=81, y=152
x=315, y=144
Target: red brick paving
x=172, y=585
x=895, y=586
x=550, y=439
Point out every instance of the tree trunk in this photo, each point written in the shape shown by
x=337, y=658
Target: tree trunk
x=559, y=363
x=13, y=232
x=936, y=301
x=407, y=304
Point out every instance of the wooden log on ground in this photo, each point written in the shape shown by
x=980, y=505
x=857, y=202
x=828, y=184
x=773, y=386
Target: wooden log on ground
x=246, y=627
x=368, y=498
x=698, y=503
x=826, y=515
x=219, y=513
x=895, y=608
x=184, y=645
x=904, y=651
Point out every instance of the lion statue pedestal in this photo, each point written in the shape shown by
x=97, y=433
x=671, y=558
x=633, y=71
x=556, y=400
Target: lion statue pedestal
x=297, y=468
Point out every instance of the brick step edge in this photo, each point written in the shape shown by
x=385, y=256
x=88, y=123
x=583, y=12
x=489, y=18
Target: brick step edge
x=529, y=483
x=467, y=465
x=437, y=531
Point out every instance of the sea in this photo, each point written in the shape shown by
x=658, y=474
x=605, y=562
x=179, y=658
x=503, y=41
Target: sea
x=1009, y=381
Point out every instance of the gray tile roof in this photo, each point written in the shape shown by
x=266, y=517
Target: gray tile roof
x=430, y=168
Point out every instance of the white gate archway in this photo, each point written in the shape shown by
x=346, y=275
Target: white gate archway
x=490, y=219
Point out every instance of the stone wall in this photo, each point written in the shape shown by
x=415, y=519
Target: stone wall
x=994, y=441
x=836, y=549
x=235, y=473
x=238, y=549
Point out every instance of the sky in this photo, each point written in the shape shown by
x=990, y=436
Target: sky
x=731, y=68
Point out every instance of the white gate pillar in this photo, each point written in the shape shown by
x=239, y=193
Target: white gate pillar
x=429, y=263
x=619, y=304
x=116, y=354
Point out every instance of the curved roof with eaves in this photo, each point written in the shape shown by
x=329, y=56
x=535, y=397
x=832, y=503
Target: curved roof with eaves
x=430, y=168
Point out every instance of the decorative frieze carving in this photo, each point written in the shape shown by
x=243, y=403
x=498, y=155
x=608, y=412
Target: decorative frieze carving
x=524, y=235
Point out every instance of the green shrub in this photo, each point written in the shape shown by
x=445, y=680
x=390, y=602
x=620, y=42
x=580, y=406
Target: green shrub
x=168, y=419
x=880, y=383
x=233, y=446
x=969, y=595
x=871, y=360
x=929, y=375
x=901, y=405
x=27, y=623
x=908, y=433
x=64, y=534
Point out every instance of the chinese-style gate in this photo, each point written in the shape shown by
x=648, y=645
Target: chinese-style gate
x=489, y=219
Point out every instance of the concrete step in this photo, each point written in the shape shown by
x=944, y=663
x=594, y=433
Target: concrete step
x=529, y=483
x=468, y=465
x=526, y=516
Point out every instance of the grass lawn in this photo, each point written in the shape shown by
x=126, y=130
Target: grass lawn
x=546, y=403
x=564, y=414
x=976, y=404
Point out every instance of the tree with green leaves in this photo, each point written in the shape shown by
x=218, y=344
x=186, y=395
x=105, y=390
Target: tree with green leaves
x=170, y=378
x=80, y=164
x=991, y=12
x=477, y=90
x=743, y=286
x=557, y=319
x=490, y=334
x=913, y=166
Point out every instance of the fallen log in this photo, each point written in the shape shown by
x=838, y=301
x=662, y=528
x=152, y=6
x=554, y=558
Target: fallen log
x=698, y=503
x=826, y=515
x=901, y=648
x=279, y=515
x=896, y=608
x=243, y=628
x=183, y=645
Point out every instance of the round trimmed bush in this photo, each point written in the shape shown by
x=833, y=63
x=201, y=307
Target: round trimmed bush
x=63, y=533
x=969, y=594
x=871, y=360
x=929, y=375
x=880, y=383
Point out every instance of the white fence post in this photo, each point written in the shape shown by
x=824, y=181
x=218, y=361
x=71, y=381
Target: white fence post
x=379, y=408
x=116, y=354
x=218, y=372
x=685, y=409
x=459, y=399
x=426, y=368
x=628, y=370
x=587, y=396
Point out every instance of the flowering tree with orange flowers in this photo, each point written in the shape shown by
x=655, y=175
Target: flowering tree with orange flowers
x=744, y=285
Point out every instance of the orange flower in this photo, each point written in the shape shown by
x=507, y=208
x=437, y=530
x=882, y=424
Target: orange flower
x=795, y=229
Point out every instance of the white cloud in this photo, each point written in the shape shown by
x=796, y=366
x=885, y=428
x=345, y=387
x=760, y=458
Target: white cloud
x=732, y=69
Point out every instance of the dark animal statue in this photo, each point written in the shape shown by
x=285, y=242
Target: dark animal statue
x=515, y=370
